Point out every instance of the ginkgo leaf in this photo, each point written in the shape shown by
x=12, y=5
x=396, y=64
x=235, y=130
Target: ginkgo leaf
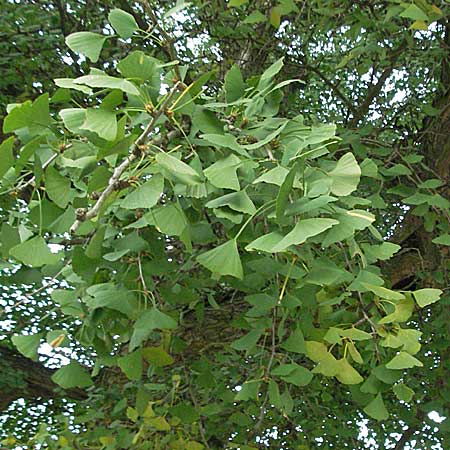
x=303, y=230
x=176, y=170
x=223, y=260
x=425, y=297
x=86, y=43
x=72, y=375
x=403, y=360
x=376, y=409
x=403, y=392
x=237, y=201
x=124, y=23
x=145, y=196
x=34, y=253
x=383, y=292
x=266, y=242
x=106, y=81
x=345, y=175
x=57, y=187
x=222, y=174
x=102, y=122
x=402, y=311
x=347, y=374
x=149, y=320
x=28, y=344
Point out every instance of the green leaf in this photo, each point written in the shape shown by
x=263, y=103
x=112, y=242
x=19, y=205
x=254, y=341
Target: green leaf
x=303, y=230
x=140, y=67
x=425, y=297
x=131, y=365
x=94, y=248
x=265, y=243
x=353, y=351
x=345, y=175
x=274, y=394
x=327, y=363
x=6, y=155
x=283, y=193
x=295, y=342
x=123, y=23
x=402, y=311
x=226, y=141
x=415, y=13
x=57, y=187
x=222, y=174
x=34, y=253
x=237, y=201
x=177, y=170
x=380, y=252
x=102, y=122
x=444, y=239
x=150, y=320
x=248, y=341
x=68, y=83
x=276, y=176
x=34, y=116
x=86, y=43
x=71, y=376
x=109, y=295
x=268, y=75
x=382, y=292
x=73, y=118
x=157, y=356
x=403, y=360
x=236, y=3
x=376, y=409
x=406, y=338
x=168, y=219
x=294, y=374
x=347, y=374
x=206, y=121
x=223, y=260
x=28, y=344
x=249, y=391
x=187, y=413
x=234, y=84
x=145, y=196
x=105, y=81
x=354, y=334
x=255, y=17
x=403, y=392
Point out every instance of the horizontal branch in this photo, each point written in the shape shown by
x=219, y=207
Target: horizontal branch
x=24, y=378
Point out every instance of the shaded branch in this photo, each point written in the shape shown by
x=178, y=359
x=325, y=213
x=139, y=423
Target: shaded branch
x=24, y=378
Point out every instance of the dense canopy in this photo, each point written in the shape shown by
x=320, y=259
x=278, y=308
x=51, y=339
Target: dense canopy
x=225, y=225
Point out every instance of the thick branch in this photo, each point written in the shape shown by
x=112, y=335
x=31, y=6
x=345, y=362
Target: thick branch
x=23, y=378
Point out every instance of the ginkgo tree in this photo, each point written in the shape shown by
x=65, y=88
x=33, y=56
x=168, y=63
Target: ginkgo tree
x=217, y=263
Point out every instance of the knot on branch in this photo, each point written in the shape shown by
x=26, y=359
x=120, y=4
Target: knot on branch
x=121, y=184
x=80, y=214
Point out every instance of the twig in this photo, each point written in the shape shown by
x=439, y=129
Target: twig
x=120, y=169
x=43, y=287
x=168, y=40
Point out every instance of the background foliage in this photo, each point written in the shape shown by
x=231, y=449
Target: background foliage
x=227, y=221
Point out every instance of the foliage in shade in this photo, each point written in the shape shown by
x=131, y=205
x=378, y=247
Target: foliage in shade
x=228, y=223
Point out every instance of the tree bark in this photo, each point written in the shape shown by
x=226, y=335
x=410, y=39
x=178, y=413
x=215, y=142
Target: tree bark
x=21, y=377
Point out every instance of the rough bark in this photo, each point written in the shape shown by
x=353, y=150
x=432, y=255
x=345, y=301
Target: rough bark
x=21, y=377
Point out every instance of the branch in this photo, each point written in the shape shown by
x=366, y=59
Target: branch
x=120, y=169
x=34, y=378
x=168, y=41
